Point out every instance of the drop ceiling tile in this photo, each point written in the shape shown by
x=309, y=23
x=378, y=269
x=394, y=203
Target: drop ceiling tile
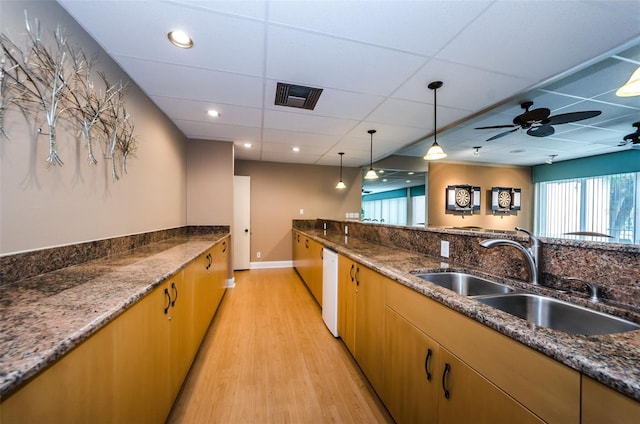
x=286, y=149
x=247, y=8
x=220, y=42
x=191, y=110
x=194, y=83
x=460, y=86
x=536, y=39
x=329, y=62
x=421, y=27
x=211, y=131
x=299, y=122
x=298, y=138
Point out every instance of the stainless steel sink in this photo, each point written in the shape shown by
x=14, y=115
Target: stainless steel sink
x=558, y=315
x=465, y=284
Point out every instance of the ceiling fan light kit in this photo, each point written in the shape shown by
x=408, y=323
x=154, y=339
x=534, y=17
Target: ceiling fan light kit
x=435, y=152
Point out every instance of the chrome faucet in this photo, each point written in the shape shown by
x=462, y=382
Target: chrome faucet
x=531, y=254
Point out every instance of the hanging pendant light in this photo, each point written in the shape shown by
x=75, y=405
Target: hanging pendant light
x=435, y=152
x=371, y=174
x=631, y=87
x=341, y=185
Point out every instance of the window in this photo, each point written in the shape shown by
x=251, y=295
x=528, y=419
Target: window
x=605, y=205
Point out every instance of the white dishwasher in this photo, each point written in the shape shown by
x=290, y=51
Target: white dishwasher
x=330, y=290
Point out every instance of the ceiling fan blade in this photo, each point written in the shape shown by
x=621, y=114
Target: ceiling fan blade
x=565, y=118
x=532, y=116
x=541, y=131
x=502, y=134
x=493, y=127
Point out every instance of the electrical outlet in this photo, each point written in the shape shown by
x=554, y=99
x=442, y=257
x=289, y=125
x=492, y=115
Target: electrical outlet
x=258, y=255
x=301, y=211
x=444, y=248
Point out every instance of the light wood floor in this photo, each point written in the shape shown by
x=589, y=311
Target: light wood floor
x=268, y=358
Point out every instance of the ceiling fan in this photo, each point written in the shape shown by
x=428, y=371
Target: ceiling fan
x=633, y=138
x=538, y=123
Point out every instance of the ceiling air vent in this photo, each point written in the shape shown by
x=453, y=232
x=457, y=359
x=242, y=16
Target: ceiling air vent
x=297, y=96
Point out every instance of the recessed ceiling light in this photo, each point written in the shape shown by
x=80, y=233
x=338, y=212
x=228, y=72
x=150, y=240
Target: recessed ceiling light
x=181, y=39
x=384, y=180
x=410, y=173
x=213, y=113
x=296, y=149
x=248, y=145
x=407, y=181
x=381, y=171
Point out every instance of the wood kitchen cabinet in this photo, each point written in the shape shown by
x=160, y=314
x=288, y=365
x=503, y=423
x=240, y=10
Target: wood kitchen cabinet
x=601, y=404
x=307, y=259
x=426, y=383
x=410, y=371
x=132, y=369
x=361, y=316
x=490, y=376
x=347, y=302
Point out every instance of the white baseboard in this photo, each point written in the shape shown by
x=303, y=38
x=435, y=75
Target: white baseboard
x=272, y=264
x=231, y=283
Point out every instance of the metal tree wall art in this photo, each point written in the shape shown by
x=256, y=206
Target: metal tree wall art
x=57, y=80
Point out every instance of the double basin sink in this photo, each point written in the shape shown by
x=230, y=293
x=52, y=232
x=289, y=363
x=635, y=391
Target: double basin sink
x=540, y=310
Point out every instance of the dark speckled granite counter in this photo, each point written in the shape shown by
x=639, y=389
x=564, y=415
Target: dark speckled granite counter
x=44, y=316
x=613, y=360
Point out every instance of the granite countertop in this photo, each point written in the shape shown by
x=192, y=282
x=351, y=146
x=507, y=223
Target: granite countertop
x=610, y=359
x=44, y=317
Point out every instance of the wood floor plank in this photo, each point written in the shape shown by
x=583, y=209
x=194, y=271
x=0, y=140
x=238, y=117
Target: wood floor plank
x=268, y=358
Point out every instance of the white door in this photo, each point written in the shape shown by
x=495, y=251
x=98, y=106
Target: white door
x=241, y=222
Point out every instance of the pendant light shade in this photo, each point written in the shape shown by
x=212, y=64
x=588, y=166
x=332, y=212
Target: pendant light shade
x=371, y=174
x=341, y=185
x=631, y=87
x=435, y=152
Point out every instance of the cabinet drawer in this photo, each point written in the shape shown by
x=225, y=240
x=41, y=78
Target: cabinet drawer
x=548, y=388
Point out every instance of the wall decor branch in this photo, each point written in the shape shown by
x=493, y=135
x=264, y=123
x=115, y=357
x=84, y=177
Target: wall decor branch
x=57, y=79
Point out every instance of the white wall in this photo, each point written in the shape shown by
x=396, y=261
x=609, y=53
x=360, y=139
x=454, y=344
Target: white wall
x=44, y=206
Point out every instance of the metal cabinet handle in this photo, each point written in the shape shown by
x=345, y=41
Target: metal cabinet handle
x=358, y=276
x=208, y=261
x=175, y=289
x=224, y=246
x=306, y=243
x=447, y=368
x=166, y=293
x=426, y=363
x=351, y=272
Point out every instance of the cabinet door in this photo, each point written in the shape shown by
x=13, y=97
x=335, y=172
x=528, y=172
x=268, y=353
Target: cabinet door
x=142, y=360
x=315, y=270
x=601, y=404
x=347, y=302
x=76, y=389
x=220, y=274
x=370, y=324
x=199, y=274
x=181, y=330
x=410, y=376
x=466, y=396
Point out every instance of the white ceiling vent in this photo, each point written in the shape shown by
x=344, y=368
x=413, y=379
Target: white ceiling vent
x=297, y=96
